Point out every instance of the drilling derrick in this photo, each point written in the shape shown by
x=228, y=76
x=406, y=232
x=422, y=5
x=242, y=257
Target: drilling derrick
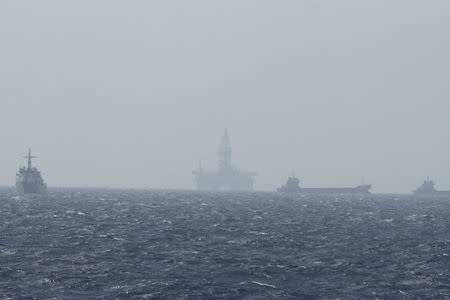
x=226, y=177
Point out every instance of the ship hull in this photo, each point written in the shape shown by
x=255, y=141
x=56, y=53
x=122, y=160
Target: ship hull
x=29, y=187
x=361, y=189
x=345, y=190
x=435, y=193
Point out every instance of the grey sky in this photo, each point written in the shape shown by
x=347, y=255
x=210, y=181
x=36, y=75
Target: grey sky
x=134, y=93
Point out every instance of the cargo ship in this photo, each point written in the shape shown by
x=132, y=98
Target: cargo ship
x=226, y=177
x=427, y=188
x=293, y=186
x=29, y=179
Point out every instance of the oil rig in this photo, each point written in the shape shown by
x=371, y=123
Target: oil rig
x=226, y=177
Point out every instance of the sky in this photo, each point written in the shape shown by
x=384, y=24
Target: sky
x=135, y=93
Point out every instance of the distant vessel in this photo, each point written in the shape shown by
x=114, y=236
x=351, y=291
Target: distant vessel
x=227, y=177
x=293, y=186
x=427, y=188
x=29, y=179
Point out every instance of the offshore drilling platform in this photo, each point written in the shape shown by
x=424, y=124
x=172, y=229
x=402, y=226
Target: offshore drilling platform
x=227, y=177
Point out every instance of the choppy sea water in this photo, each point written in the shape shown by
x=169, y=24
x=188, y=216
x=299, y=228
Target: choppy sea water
x=130, y=244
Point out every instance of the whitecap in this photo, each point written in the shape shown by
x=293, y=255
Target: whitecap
x=257, y=232
x=264, y=284
x=8, y=252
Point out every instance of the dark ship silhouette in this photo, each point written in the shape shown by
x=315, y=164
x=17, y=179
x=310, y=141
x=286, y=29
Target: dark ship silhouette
x=293, y=186
x=427, y=188
x=227, y=177
x=29, y=179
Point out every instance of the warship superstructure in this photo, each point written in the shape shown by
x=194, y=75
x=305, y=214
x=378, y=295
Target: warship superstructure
x=29, y=179
x=427, y=188
x=293, y=186
x=226, y=177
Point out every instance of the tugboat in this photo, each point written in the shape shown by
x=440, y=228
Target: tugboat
x=29, y=179
x=292, y=185
x=427, y=188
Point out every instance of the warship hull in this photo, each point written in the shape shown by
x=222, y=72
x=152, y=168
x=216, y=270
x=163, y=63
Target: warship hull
x=29, y=187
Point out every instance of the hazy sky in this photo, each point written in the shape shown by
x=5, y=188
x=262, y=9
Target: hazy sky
x=134, y=93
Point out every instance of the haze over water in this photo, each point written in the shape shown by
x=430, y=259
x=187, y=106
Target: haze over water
x=134, y=94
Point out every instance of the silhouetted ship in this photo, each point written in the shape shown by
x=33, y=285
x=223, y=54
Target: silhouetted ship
x=29, y=179
x=427, y=188
x=293, y=186
x=227, y=177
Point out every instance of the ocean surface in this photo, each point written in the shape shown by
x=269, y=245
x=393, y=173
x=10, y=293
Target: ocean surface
x=137, y=244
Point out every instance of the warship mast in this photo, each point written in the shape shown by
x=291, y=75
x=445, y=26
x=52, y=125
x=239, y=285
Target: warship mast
x=29, y=157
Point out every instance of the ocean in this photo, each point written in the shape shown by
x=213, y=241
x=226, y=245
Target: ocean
x=150, y=244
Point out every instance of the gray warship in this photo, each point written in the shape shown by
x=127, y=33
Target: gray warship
x=427, y=188
x=29, y=179
x=293, y=186
x=226, y=177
